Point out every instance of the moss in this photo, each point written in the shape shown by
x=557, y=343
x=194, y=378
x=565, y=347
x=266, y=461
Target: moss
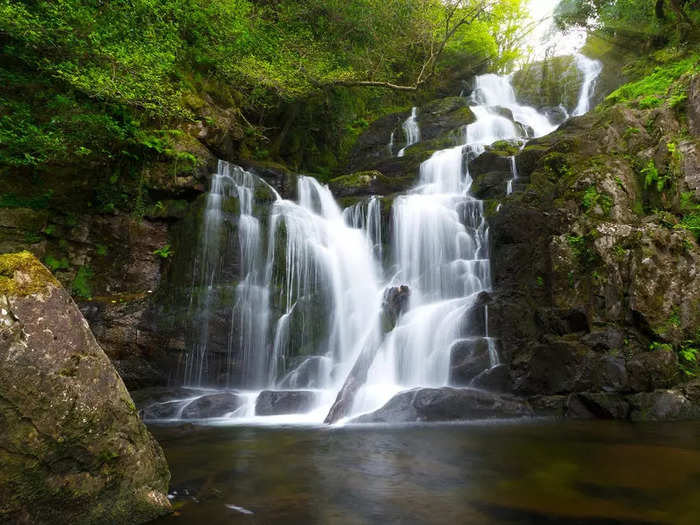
x=81, y=284
x=359, y=179
x=22, y=274
x=504, y=148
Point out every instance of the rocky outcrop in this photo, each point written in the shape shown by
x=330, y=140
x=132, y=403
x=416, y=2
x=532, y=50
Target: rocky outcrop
x=610, y=292
x=447, y=404
x=72, y=447
x=548, y=83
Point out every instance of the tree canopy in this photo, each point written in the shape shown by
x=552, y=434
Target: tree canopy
x=82, y=78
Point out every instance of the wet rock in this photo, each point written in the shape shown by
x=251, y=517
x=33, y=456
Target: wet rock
x=597, y=406
x=492, y=185
x=662, y=405
x=72, y=446
x=308, y=373
x=278, y=402
x=212, y=405
x=468, y=359
x=494, y=379
x=490, y=161
x=447, y=404
x=394, y=303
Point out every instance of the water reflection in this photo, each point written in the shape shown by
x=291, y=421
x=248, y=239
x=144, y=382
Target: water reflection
x=570, y=473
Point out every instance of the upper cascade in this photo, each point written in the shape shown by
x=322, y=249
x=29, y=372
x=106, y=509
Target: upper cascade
x=313, y=277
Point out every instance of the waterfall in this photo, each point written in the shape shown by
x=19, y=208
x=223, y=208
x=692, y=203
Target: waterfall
x=411, y=130
x=591, y=70
x=307, y=300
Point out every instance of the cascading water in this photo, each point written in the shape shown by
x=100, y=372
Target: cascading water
x=591, y=70
x=313, y=276
x=411, y=130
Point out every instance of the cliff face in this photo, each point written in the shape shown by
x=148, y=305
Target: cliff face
x=595, y=264
x=72, y=447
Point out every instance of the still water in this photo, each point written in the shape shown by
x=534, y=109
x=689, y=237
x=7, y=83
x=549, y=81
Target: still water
x=495, y=473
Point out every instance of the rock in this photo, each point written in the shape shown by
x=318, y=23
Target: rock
x=610, y=374
x=394, y=303
x=443, y=116
x=494, y=379
x=694, y=106
x=555, y=367
x=278, y=402
x=372, y=182
x=72, y=446
x=651, y=370
x=662, y=405
x=548, y=406
x=212, y=405
x=447, y=404
x=468, y=359
x=490, y=161
x=691, y=390
x=308, y=374
x=548, y=83
x=690, y=152
x=373, y=144
x=492, y=185
x=597, y=406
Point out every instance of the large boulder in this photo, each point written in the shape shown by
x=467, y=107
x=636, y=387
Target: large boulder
x=72, y=446
x=447, y=404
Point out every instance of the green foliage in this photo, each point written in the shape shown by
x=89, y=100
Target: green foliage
x=81, y=283
x=164, y=252
x=54, y=264
x=591, y=199
x=661, y=83
x=41, y=202
x=690, y=210
x=638, y=21
x=652, y=177
x=688, y=361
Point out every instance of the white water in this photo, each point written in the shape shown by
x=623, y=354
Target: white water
x=313, y=280
x=591, y=70
x=411, y=131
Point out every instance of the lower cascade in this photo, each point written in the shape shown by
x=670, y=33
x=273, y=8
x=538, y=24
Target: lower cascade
x=336, y=311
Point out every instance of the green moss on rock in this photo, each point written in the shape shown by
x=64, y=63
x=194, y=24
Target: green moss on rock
x=22, y=274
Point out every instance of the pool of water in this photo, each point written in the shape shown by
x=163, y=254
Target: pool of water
x=492, y=473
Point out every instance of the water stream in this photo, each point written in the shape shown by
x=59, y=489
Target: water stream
x=312, y=276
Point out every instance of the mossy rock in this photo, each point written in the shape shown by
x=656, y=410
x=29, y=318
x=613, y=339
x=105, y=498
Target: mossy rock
x=504, y=148
x=443, y=116
x=72, y=447
x=22, y=274
x=364, y=183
